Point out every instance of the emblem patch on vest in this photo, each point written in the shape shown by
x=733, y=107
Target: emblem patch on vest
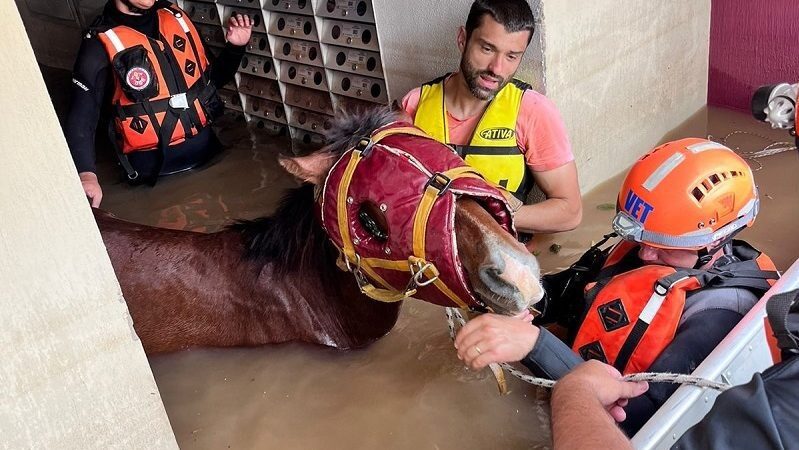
x=179, y=43
x=138, y=78
x=613, y=315
x=593, y=351
x=497, y=134
x=190, y=68
x=138, y=125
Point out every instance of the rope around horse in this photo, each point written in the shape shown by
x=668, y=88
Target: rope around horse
x=455, y=315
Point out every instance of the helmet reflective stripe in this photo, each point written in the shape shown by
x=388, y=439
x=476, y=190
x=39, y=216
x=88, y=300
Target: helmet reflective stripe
x=702, y=146
x=660, y=174
x=630, y=229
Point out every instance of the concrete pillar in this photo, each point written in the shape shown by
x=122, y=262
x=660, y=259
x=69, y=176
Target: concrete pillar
x=73, y=372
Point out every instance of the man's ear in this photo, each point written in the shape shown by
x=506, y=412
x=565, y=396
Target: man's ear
x=311, y=169
x=461, y=39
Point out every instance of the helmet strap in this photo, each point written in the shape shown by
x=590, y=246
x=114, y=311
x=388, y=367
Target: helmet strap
x=706, y=254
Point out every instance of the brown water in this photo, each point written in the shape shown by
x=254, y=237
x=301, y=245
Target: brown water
x=408, y=390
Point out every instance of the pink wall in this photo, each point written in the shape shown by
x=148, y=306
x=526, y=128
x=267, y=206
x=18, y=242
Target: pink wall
x=752, y=42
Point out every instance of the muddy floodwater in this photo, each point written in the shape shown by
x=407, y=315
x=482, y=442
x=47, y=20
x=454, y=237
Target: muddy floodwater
x=408, y=390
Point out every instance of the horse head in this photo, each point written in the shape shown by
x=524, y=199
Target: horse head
x=410, y=218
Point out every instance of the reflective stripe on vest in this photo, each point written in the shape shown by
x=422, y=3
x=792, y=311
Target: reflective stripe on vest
x=157, y=82
x=493, y=149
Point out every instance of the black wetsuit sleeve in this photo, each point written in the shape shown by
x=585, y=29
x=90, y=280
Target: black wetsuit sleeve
x=90, y=78
x=550, y=357
x=225, y=65
x=693, y=342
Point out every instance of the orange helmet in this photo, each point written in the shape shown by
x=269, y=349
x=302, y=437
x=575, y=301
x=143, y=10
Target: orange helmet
x=686, y=194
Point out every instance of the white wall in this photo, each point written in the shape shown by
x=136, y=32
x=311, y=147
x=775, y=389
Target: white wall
x=73, y=372
x=417, y=42
x=624, y=74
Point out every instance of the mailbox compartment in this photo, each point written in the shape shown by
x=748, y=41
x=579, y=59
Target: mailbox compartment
x=293, y=26
x=354, y=60
x=260, y=66
x=318, y=101
x=230, y=99
x=360, y=87
x=259, y=87
x=265, y=109
x=308, y=120
x=350, y=34
x=256, y=16
x=289, y=6
x=357, y=10
x=302, y=75
x=305, y=52
x=202, y=12
x=259, y=45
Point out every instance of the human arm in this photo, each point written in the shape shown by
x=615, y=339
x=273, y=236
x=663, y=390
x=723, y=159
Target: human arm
x=561, y=211
x=89, y=81
x=238, y=34
x=543, y=138
x=587, y=403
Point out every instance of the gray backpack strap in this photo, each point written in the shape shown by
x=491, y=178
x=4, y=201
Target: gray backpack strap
x=783, y=313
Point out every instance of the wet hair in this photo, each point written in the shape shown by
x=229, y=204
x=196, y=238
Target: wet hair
x=514, y=15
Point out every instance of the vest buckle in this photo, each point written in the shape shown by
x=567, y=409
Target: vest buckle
x=179, y=101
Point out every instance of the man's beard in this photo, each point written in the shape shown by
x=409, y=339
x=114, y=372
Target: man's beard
x=471, y=74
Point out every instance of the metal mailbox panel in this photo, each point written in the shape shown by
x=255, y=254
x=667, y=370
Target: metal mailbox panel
x=293, y=26
x=352, y=105
x=289, y=6
x=311, y=99
x=364, y=88
x=240, y=3
x=264, y=108
x=256, y=16
x=302, y=75
x=212, y=35
x=202, y=12
x=358, y=10
x=353, y=60
x=308, y=120
x=233, y=115
x=260, y=66
x=305, y=52
x=268, y=127
x=350, y=34
x=230, y=99
x=259, y=87
x=307, y=138
x=259, y=45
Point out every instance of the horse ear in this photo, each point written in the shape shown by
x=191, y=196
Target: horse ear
x=312, y=168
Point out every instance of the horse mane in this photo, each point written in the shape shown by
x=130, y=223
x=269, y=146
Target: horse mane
x=292, y=237
x=349, y=127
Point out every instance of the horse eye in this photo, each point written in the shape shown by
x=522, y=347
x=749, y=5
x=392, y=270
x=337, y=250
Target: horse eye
x=373, y=221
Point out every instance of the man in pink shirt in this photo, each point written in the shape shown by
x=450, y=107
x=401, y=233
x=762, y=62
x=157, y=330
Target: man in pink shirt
x=512, y=134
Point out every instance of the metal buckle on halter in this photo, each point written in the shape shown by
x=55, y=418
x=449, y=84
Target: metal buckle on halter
x=179, y=101
x=365, y=146
x=440, y=182
x=418, y=269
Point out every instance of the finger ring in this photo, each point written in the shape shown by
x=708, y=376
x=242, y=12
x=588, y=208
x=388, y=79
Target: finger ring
x=477, y=349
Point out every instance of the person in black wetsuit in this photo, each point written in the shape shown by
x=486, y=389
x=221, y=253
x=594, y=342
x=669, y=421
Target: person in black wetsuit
x=145, y=60
x=665, y=226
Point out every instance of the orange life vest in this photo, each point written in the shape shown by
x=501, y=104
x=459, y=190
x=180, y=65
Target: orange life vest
x=634, y=313
x=159, y=83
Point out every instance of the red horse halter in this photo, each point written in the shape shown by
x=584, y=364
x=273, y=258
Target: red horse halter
x=388, y=204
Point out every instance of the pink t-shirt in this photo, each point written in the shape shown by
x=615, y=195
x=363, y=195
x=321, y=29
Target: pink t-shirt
x=540, y=132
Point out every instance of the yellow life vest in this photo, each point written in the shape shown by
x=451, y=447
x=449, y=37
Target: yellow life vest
x=492, y=150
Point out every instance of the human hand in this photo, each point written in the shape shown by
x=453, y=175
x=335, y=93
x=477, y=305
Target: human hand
x=239, y=29
x=602, y=382
x=493, y=338
x=91, y=187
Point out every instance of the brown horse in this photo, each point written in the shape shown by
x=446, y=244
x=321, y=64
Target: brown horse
x=275, y=279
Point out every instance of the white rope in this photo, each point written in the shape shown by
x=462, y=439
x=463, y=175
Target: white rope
x=454, y=315
x=773, y=148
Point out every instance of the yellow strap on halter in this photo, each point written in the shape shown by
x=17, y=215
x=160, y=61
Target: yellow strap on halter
x=387, y=294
